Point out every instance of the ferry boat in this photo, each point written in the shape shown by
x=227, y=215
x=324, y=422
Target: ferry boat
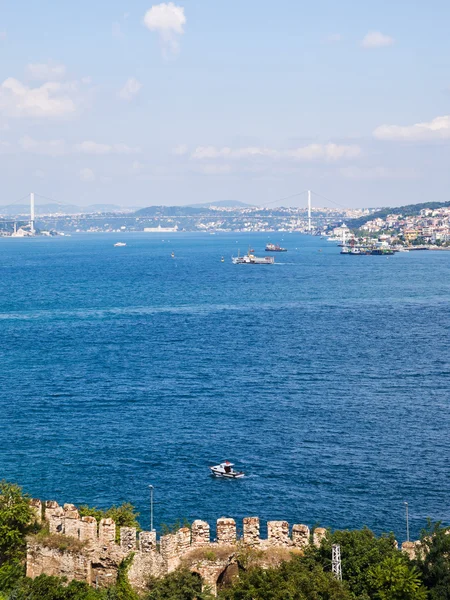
x=118, y=244
x=225, y=469
x=251, y=259
x=275, y=248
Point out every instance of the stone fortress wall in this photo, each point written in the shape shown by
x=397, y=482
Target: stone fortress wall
x=87, y=551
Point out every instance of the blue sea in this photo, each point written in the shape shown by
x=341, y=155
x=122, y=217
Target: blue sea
x=326, y=378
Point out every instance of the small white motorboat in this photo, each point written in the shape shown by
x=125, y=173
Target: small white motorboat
x=225, y=469
x=119, y=244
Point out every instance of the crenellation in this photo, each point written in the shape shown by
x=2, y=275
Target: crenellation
x=318, y=535
x=97, y=560
x=72, y=527
x=71, y=511
x=147, y=541
x=183, y=540
x=251, y=531
x=226, y=531
x=278, y=533
x=106, y=532
x=55, y=519
x=88, y=529
x=300, y=536
x=128, y=538
x=200, y=533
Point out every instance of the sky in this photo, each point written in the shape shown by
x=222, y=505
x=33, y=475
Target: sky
x=182, y=102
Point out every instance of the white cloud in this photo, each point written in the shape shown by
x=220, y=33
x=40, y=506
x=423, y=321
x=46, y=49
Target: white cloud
x=378, y=172
x=180, y=150
x=87, y=175
x=376, y=39
x=437, y=129
x=130, y=89
x=51, y=99
x=46, y=71
x=327, y=152
x=168, y=20
x=47, y=148
x=214, y=169
x=90, y=147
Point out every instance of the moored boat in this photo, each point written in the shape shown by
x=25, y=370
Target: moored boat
x=118, y=244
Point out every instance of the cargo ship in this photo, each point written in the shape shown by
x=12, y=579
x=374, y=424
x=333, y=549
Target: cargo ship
x=275, y=248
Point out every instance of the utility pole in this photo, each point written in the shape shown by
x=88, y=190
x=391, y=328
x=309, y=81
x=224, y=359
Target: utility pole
x=151, y=507
x=336, y=566
x=407, y=522
x=309, y=211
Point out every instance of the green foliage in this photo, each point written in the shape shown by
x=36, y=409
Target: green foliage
x=16, y=518
x=360, y=551
x=395, y=579
x=166, y=529
x=124, y=515
x=123, y=590
x=434, y=560
x=10, y=573
x=46, y=587
x=179, y=585
x=299, y=579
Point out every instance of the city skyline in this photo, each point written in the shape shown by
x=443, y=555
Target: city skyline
x=185, y=102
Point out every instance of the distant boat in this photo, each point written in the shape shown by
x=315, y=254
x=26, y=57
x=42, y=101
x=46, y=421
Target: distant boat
x=275, y=248
x=225, y=469
x=118, y=244
x=222, y=259
x=251, y=259
x=173, y=255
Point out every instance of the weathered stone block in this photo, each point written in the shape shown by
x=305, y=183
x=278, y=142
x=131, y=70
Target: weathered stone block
x=72, y=527
x=183, y=540
x=318, y=535
x=128, y=538
x=169, y=551
x=200, y=533
x=300, y=536
x=71, y=511
x=278, y=533
x=251, y=531
x=106, y=532
x=226, y=531
x=55, y=518
x=147, y=541
x=88, y=529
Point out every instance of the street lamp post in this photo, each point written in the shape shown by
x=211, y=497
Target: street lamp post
x=151, y=507
x=407, y=522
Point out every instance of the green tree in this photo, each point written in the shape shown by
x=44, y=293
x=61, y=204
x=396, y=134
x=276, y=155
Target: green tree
x=433, y=561
x=16, y=518
x=298, y=579
x=124, y=515
x=394, y=579
x=179, y=585
x=360, y=550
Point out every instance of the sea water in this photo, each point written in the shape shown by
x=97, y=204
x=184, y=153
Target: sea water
x=324, y=377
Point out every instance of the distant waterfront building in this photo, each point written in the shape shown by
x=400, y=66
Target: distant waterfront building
x=160, y=229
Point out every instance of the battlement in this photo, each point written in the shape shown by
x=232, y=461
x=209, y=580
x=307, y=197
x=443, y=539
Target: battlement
x=97, y=555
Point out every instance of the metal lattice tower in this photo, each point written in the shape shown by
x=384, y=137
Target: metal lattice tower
x=336, y=566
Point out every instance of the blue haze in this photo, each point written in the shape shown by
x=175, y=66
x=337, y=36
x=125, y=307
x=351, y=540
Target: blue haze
x=324, y=377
